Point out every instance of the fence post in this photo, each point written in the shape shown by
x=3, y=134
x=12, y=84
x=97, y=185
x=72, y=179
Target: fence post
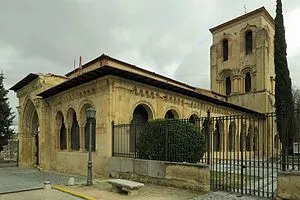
x=209, y=137
x=166, y=143
x=113, y=137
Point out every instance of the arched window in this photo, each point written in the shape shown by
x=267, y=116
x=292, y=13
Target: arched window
x=248, y=39
x=193, y=118
x=225, y=49
x=247, y=82
x=171, y=114
x=141, y=114
x=228, y=85
x=63, y=136
x=75, y=133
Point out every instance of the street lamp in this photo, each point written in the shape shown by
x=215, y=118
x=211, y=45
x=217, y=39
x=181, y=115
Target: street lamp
x=91, y=114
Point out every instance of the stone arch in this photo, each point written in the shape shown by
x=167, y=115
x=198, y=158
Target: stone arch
x=61, y=131
x=72, y=121
x=194, y=119
x=85, y=126
x=85, y=104
x=226, y=77
x=142, y=112
x=247, y=73
x=30, y=126
x=140, y=116
x=171, y=114
x=217, y=135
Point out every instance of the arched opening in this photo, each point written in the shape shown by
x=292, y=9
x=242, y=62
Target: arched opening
x=249, y=139
x=248, y=39
x=30, y=144
x=225, y=49
x=217, y=137
x=243, y=138
x=231, y=136
x=141, y=114
x=193, y=119
x=88, y=123
x=171, y=114
x=228, y=85
x=72, y=119
x=248, y=82
x=62, y=131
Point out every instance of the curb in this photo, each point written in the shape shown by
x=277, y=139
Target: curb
x=73, y=193
x=22, y=190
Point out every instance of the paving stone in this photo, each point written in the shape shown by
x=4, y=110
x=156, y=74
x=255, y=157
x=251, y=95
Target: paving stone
x=15, y=179
x=226, y=196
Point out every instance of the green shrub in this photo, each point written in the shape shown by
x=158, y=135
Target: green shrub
x=171, y=140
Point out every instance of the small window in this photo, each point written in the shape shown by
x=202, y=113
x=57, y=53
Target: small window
x=247, y=82
x=225, y=49
x=228, y=86
x=248, y=39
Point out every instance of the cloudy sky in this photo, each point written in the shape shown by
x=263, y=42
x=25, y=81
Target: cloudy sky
x=169, y=37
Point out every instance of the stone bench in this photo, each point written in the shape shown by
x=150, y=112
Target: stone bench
x=130, y=187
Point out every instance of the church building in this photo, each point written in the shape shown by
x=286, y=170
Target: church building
x=52, y=108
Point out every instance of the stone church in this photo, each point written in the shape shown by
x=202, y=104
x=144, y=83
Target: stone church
x=52, y=108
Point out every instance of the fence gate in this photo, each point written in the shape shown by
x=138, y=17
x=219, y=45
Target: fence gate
x=246, y=153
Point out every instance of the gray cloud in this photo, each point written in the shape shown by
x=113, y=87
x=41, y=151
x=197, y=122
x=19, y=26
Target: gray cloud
x=170, y=37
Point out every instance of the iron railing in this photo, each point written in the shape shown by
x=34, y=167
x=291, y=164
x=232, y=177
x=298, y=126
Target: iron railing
x=245, y=152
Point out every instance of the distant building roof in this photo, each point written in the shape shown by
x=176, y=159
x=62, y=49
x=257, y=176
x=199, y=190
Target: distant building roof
x=109, y=70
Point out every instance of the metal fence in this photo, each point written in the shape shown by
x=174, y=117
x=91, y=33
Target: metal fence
x=245, y=152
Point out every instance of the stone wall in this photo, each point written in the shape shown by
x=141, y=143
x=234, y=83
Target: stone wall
x=181, y=175
x=10, y=151
x=288, y=186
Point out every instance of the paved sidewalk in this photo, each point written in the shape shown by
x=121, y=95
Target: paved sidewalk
x=226, y=196
x=16, y=179
x=39, y=195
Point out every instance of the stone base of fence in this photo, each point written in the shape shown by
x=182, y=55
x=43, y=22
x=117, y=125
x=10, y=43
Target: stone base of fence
x=180, y=175
x=288, y=185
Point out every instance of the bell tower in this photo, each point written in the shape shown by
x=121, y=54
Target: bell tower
x=242, y=60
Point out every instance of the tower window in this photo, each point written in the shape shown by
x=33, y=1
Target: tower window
x=248, y=39
x=228, y=86
x=225, y=49
x=247, y=82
